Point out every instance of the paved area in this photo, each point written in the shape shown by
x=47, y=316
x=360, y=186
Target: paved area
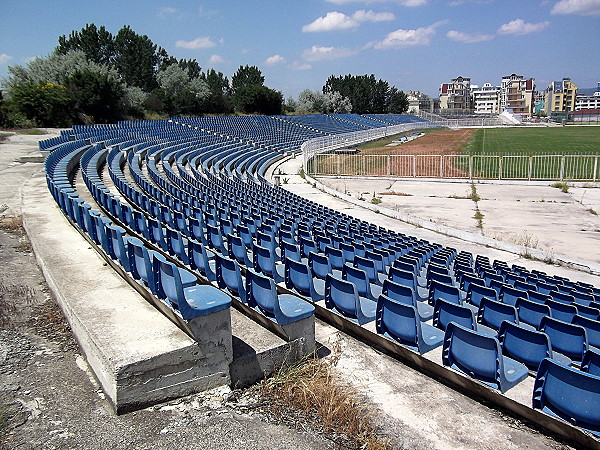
x=413, y=410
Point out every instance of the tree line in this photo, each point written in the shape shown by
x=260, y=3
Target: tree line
x=93, y=76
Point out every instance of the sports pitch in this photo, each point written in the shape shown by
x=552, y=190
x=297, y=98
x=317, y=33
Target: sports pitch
x=571, y=140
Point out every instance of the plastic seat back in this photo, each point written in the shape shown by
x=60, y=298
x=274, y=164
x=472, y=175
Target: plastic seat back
x=140, y=263
x=592, y=329
x=319, y=265
x=524, y=344
x=445, y=312
x=359, y=279
x=402, y=277
x=476, y=293
x=509, y=294
x=532, y=313
x=336, y=257
x=229, y=276
x=492, y=313
x=591, y=362
x=398, y=292
x=261, y=292
x=561, y=311
x=199, y=259
x=443, y=291
x=568, y=393
x=341, y=295
x=565, y=338
x=401, y=322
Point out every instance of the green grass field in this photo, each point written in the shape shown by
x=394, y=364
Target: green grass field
x=569, y=140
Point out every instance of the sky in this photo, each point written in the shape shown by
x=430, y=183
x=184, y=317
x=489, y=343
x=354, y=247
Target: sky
x=298, y=44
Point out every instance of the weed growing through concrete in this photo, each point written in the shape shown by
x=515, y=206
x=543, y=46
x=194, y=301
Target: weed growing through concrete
x=314, y=391
x=301, y=173
x=479, y=218
x=564, y=187
x=474, y=195
x=592, y=211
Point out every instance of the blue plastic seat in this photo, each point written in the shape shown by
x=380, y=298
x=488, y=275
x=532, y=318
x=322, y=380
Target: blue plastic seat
x=335, y=256
x=492, y=313
x=592, y=329
x=591, y=362
x=480, y=357
x=403, y=277
x=561, y=311
x=476, y=293
x=215, y=240
x=370, y=268
x=443, y=291
x=359, y=278
x=535, y=296
x=201, y=260
x=401, y=322
x=532, y=313
x=510, y=294
x=568, y=393
x=527, y=345
x=319, y=265
x=229, y=276
x=565, y=338
x=282, y=308
x=140, y=264
x=176, y=245
x=156, y=233
x=290, y=250
x=238, y=250
x=406, y=295
x=265, y=262
x=298, y=276
x=583, y=298
x=445, y=312
x=194, y=301
x=118, y=244
x=343, y=297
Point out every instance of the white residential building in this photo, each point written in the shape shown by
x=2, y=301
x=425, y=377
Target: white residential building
x=485, y=99
x=516, y=94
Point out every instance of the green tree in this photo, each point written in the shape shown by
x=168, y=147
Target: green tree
x=258, y=99
x=311, y=102
x=136, y=58
x=96, y=43
x=47, y=105
x=97, y=98
x=397, y=102
x=219, y=99
x=246, y=76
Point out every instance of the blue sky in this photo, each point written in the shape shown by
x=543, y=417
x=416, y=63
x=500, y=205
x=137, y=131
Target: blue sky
x=413, y=44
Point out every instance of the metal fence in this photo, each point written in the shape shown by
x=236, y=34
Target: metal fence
x=471, y=121
x=539, y=167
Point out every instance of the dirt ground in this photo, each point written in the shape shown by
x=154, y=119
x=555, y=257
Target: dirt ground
x=441, y=142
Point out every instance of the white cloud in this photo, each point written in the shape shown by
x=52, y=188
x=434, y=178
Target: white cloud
x=297, y=65
x=4, y=58
x=468, y=38
x=166, y=11
x=462, y=2
x=408, y=38
x=332, y=21
x=275, y=59
x=199, y=42
x=216, y=59
x=579, y=7
x=401, y=2
x=339, y=21
x=520, y=27
x=372, y=16
x=319, y=53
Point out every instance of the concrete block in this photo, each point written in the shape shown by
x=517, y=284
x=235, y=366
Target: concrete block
x=302, y=331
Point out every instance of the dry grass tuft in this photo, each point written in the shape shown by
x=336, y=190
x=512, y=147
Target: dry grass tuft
x=12, y=225
x=316, y=394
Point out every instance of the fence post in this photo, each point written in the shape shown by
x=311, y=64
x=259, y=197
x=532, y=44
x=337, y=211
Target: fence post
x=470, y=167
x=389, y=165
x=562, y=168
x=338, y=164
x=500, y=159
x=414, y=166
x=441, y=166
x=595, y=168
x=530, y=168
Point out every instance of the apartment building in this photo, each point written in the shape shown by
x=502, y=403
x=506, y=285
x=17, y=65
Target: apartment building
x=418, y=102
x=561, y=96
x=485, y=99
x=588, y=101
x=516, y=94
x=456, y=95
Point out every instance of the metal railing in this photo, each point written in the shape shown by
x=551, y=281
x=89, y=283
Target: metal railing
x=512, y=167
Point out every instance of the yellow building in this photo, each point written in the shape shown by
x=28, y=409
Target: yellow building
x=560, y=96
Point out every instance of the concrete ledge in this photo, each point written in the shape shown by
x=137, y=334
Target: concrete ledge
x=137, y=354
